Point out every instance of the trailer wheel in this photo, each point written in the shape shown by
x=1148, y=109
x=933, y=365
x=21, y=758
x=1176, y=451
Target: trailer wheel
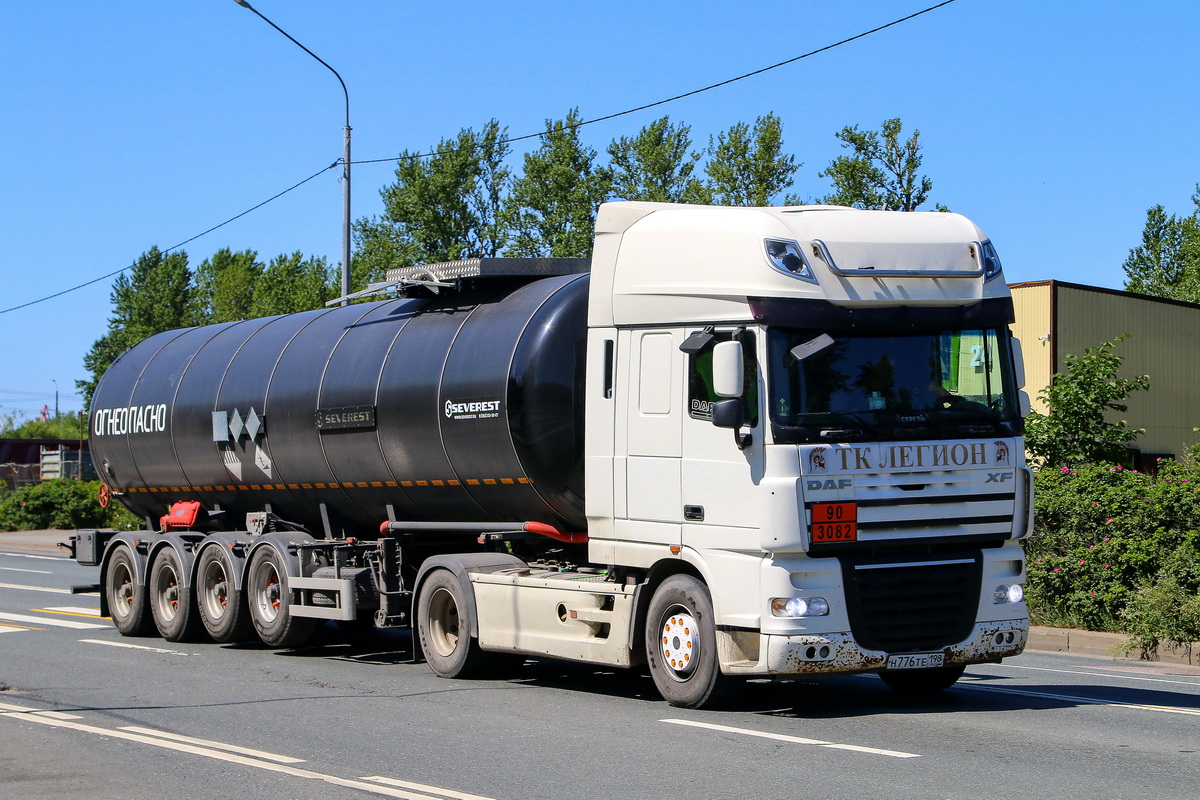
x=125, y=596
x=172, y=603
x=922, y=682
x=268, y=597
x=221, y=604
x=681, y=644
x=444, y=628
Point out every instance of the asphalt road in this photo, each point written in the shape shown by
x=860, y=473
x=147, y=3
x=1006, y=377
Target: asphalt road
x=86, y=713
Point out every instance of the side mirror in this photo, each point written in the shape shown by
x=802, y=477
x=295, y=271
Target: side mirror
x=1023, y=399
x=728, y=369
x=729, y=414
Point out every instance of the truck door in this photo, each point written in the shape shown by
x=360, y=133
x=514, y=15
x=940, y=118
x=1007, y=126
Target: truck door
x=653, y=437
x=718, y=478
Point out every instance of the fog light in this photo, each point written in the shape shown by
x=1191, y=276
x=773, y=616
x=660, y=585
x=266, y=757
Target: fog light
x=1009, y=593
x=799, y=606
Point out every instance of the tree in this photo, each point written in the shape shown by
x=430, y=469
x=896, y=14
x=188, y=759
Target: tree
x=443, y=207
x=1077, y=429
x=224, y=286
x=655, y=165
x=747, y=167
x=881, y=172
x=552, y=206
x=292, y=283
x=1167, y=264
x=155, y=296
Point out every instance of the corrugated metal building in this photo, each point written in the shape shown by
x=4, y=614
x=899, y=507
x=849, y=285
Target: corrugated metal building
x=1056, y=319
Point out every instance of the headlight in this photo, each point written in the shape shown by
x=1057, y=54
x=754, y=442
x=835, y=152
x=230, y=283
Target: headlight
x=1009, y=593
x=799, y=606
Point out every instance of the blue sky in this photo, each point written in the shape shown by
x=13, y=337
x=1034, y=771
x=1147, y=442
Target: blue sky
x=1052, y=124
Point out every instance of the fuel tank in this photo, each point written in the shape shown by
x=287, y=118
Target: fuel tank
x=463, y=407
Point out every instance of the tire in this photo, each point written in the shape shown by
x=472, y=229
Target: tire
x=267, y=597
x=172, y=603
x=222, y=605
x=681, y=644
x=922, y=682
x=444, y=628
x=125, y=596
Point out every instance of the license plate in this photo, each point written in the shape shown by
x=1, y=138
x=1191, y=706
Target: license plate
x=916, y=661
x=834, y=522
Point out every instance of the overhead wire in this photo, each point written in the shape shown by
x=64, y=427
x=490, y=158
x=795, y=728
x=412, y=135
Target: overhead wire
x=505, y=140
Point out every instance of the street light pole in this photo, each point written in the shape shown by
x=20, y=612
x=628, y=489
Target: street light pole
x=345, y=152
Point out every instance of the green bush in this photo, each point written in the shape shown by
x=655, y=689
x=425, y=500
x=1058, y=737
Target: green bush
x=1114, y=549
x=64, y=504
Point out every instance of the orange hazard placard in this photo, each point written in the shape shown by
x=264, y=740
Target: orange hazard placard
x=834, y=522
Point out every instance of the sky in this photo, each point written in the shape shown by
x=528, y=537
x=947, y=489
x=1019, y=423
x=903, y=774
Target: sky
x=1054, y=125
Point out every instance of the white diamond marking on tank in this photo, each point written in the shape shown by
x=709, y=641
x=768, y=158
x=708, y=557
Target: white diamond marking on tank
x=253, y=423
x=236, y=426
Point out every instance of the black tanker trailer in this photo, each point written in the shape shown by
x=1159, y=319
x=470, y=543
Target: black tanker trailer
x=448, y=422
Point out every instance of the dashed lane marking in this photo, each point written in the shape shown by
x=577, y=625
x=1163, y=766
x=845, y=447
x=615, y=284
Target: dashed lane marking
x=129, y=646
x=1099, y=671
x=783, y=737
x=232, y=748
x=1092, y=701
x=40, y=558
x=72, y=611
x=35, y=571
x=52, y=622
x=51, y=589
x=433, y=790
x=172, y=742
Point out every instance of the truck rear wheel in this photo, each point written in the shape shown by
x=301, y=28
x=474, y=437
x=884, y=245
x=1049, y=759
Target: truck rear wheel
x=444, y=627
x=268, y=597
x=681, y=644
x=172, y=603
x=221, y=603
x=919, y=682
x=125, y=596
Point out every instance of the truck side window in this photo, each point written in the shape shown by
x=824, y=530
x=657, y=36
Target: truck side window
x=700, y=384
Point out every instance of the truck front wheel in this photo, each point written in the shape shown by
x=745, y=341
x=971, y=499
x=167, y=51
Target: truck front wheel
x=681, y=644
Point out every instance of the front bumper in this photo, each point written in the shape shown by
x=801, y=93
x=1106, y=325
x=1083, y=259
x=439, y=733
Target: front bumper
x=835, y=653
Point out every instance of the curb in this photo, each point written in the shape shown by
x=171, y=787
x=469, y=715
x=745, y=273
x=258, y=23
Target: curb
x=1097, y=643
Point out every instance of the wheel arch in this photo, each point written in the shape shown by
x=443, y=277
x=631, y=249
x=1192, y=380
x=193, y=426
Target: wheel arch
x=224, y=541
x=460, y=565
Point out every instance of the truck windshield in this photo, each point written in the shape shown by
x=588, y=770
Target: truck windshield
x=827, y=386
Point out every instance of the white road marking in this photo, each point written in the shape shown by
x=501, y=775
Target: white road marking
x=423, y=788
x=36, y=588
x=15, y=629
x=782, y=737
x=51, y=714
x=135, y=646
x=55, y=623
x=233, y=748
x=73, y=611
x=42, y=558
x=36, y=571
x=1087, y=700
x=1123, y=676
x=157, y=740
